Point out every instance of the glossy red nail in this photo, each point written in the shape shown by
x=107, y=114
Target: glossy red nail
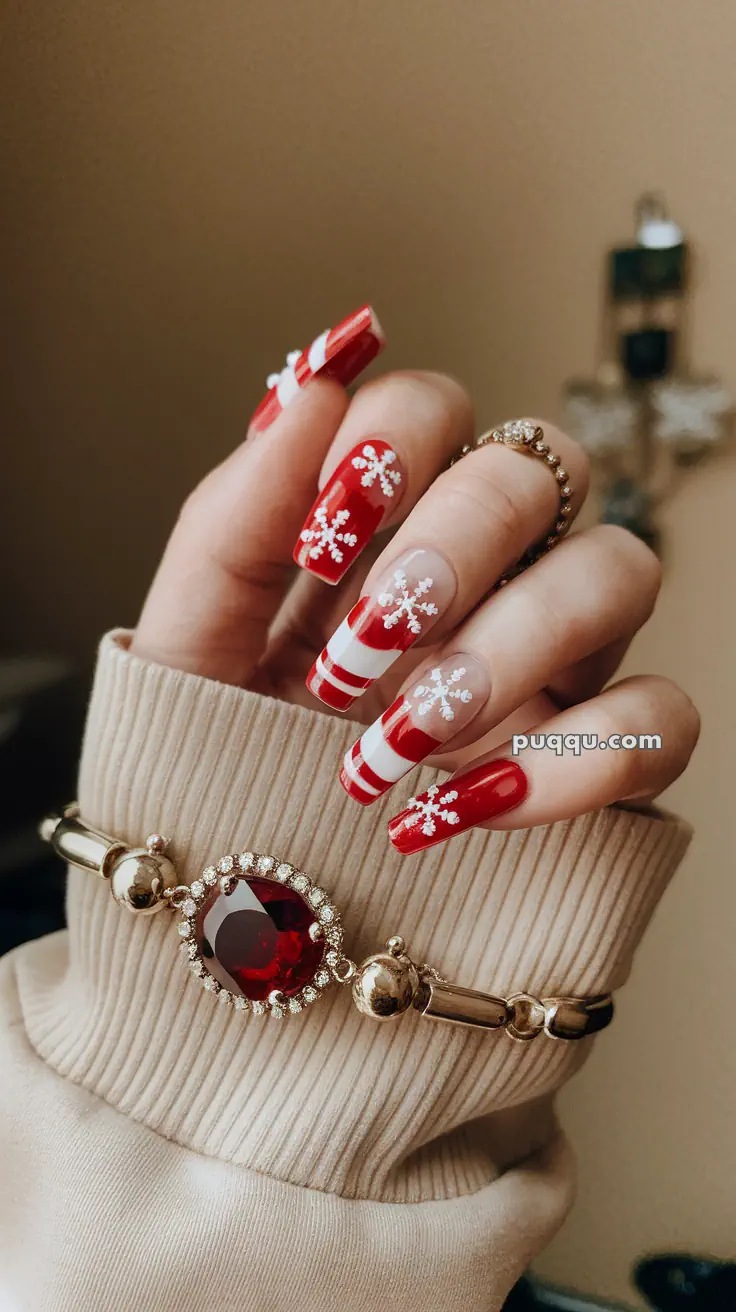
x=472, y=798
x=341, y=353
x=366, y=485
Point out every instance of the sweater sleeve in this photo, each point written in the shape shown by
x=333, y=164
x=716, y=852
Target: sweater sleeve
x=169, y=1153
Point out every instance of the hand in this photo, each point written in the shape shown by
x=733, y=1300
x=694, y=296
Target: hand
x=459, y=671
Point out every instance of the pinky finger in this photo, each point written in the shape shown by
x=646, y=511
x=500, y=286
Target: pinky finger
x=630, y=742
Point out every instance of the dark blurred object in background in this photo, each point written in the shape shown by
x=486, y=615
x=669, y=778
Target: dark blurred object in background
x=532, y=1295
x=41, y=716
x=646, y=416
x=671, y=1282
x=676, y=1282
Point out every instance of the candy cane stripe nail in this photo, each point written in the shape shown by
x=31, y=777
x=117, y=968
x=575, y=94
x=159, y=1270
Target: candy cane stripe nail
x=373, y=764
x=354, y=503
x=401, y=608
x=340, y=353
x=416, y=726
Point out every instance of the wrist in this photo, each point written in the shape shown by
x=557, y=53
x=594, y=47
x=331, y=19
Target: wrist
x=556, y=910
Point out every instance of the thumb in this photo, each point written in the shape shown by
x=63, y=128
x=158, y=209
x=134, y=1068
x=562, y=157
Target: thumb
x=228, y=561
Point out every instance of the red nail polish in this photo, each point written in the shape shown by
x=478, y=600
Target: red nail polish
x=364, y=487
x=341, y=353
x=445, y=809
x=417, y=725
x=402, y=606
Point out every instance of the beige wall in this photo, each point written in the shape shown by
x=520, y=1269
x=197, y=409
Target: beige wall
x=196, y=187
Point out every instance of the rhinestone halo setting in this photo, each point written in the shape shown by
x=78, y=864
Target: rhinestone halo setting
x=260, y=935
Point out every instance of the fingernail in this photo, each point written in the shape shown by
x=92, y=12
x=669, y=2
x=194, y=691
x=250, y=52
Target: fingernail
x=406, y=601
x=340, y=353
x=349, y=510
x=442, y=701
x=451, y=808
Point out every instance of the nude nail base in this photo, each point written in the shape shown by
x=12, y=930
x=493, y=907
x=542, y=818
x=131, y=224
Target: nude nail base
x=401, y=608
x=442, y=701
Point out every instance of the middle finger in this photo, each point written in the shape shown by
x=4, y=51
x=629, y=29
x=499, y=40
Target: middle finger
x=596, y=587
x=486, y=511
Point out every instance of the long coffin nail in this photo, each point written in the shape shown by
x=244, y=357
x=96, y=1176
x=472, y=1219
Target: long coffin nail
x=445, y=809
x=418, y=723
x=406, y=601
x=350, y=508
x=340, y=353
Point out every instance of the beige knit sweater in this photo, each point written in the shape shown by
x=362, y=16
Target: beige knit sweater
x=161, y=1152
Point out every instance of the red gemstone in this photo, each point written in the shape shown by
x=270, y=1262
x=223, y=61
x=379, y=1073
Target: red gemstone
x=256, y=939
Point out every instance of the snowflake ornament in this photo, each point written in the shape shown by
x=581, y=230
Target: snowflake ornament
x=273, y=380
x=430, y=811
x=327, y=535
x=376, y=467
x=440, y=692
x=602, y=423
x=407, y=602
x=690, y=411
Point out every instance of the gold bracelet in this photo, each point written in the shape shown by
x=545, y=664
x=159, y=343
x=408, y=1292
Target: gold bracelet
x=265, y=938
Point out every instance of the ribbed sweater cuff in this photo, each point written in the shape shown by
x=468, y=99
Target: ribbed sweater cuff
x=326, y=1099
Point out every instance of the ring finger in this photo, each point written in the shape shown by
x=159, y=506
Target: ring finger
x=647, y=725
x=597, y=587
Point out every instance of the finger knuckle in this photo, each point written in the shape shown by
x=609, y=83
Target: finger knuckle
x=488, y=505
x=561, y=628
x=196, y=506
x=652, y=705
x=676, y=712
x=634, y=556
x=428, y=398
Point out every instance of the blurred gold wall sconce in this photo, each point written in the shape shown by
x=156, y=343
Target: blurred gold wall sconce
x=646, y=418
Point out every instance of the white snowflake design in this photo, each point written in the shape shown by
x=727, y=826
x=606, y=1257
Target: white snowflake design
x=440, y=692
x=430, y=811
x=273, y=380
x=407, y=602
x=327, y=535
x=376, y=467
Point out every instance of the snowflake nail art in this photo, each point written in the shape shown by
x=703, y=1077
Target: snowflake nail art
x=360, y=493
x=340, y=353
x=440, y=692
x=278, y=379
x=376, y=467
x=326, y=535
x=429, y=811
x=416, y=726
x=400, y=610
x=479, y=795
x=407, y=602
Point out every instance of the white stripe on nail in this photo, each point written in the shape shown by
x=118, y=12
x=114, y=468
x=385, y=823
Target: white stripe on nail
x=380, y=757
x=357, y=657
x=318, y=352
x=356, y=778
x=287, y=387
x=332, y=678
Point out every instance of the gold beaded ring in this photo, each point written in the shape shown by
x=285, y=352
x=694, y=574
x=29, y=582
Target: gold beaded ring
x=239, y=917
x=522, y=435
